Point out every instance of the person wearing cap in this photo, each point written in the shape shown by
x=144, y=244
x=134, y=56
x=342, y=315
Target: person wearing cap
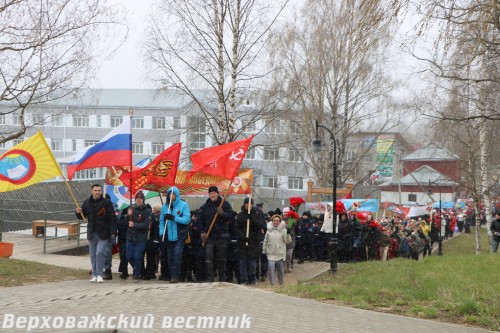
x=101, y=226
x=174, y=220
x=139, y=220
x=249, y=247
x=305, y=236
x=495, y=232
x=216, y=241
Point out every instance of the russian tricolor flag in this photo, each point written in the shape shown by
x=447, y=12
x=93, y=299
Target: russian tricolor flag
x=113, y=150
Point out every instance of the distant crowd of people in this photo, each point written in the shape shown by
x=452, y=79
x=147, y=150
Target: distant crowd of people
x=170, y=242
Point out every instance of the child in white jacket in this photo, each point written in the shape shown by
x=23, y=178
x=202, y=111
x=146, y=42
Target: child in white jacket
x=275, y=247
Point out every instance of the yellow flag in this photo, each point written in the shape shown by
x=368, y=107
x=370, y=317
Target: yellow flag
x=28, y=163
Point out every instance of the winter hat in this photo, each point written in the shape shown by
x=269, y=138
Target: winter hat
x=307, y=213
x=213, y=189
x=260, y=204
x=140, y=194
x=247, y=200
x=278, y=211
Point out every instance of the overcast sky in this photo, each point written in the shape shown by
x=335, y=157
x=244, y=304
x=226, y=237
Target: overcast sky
x=126, y=69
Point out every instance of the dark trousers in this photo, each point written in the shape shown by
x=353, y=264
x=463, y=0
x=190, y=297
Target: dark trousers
x=233, y=271
x=247, y=271
x=151, y=261
x=216, y=254
x=187, y=263
x=164, y=270
x=262, y=266
x=123, y=268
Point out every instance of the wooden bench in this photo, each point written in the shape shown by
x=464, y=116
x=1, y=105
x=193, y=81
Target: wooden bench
x=37, y=227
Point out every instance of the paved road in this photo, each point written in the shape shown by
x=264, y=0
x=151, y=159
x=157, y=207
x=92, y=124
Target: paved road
x=159, y=306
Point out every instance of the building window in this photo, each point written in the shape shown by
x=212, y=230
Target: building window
x=87, y=143
x=73, y=145
x=294, y=127
x=37, y=119
x=412, y=197
x=2, y=119
x=248, y=127
x=85, y=174
x=158, y=122
x=16, y=119
x=116, y=121
x=350, y=155
x=177, y=123
x=295, y=155
x=99, y=121
x=250, y=155
x=197, y=141
x=137, y=148
x=157, y=147
x=271, y=154
x=270, y=181
x=2, y=145
x=81, y=121
x=295, y=183
x=17, y=141
x=273, y=127
x=56, y=145
x=57, y=121
x=137, y=122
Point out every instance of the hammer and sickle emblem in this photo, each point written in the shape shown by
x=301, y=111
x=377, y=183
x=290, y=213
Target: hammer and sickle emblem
x=237, y=155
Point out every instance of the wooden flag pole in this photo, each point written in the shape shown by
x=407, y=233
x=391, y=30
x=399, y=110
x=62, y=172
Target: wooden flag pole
x=248, y=218
x=217, y=213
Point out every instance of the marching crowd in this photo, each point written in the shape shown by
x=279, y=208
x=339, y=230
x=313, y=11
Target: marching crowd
x=216, y=242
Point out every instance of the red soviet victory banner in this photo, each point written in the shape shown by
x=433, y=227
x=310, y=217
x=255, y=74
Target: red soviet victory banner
x=223, y=161
x=160, y=172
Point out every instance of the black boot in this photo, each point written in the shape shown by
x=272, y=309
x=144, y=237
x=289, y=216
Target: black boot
x=107, y=274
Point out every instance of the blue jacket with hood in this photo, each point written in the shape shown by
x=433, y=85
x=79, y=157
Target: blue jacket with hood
x=180, y=209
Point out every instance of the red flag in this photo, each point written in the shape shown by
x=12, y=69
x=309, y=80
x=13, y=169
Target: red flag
x=159, y=173
x=223, y=161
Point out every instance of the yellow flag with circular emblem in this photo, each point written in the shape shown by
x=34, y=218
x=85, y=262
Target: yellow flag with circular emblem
x=27, y=163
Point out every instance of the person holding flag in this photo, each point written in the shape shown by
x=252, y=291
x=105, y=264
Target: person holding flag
x=101, y=226
x=217, y=243
x=216, y=214
x=174, y=219
x=249, y=224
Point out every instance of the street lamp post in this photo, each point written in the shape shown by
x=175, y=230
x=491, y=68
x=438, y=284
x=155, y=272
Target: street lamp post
x=442, y=228
x=316, y=145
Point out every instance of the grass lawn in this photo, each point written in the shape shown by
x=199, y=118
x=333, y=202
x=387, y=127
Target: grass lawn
x=458, y=287
x=21, y=272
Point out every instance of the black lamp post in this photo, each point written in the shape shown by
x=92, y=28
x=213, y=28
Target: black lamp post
x=316, y=147
x=442, y=229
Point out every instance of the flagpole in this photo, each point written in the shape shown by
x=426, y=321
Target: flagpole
x=217, y=213
x=248, y=217
x=64, y=178
x=130, y=113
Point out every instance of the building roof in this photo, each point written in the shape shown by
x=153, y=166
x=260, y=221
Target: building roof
x=128, y=98
x=423, y=175
x=431, y=152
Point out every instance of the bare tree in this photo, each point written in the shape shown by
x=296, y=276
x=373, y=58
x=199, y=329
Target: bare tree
x=469, y=32
x=331, y=63
x=47, y=50
x=211, y=50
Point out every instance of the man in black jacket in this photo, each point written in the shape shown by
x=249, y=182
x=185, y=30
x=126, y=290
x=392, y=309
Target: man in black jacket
x=216, y=241
x=249, y=245
x=101, y=227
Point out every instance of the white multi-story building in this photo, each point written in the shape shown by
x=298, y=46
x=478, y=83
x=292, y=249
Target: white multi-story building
x=159, y=119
